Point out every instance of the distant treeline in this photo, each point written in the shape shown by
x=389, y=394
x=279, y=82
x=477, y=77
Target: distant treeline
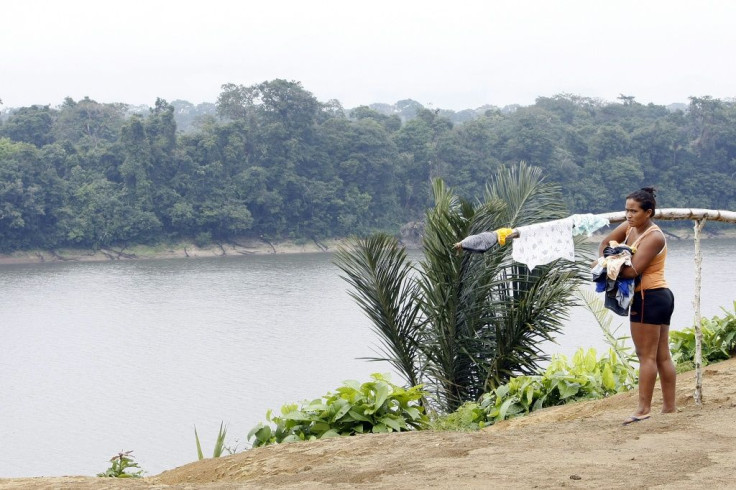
x=271, y=160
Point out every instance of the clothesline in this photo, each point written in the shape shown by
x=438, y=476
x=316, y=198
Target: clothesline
x=540, y=243
x=667, y=214
x=543, y=242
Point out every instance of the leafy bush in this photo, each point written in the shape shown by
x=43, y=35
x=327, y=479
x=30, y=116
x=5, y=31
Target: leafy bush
x=375, y=406
x=468, y=416
x=719, y=341
x=562, y=382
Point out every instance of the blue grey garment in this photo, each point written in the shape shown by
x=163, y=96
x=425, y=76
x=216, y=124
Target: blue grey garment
x=619, y=294
x=480, y=243
x=624, y=293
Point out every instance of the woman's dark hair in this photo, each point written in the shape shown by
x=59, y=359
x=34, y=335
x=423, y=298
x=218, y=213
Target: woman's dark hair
x=645, y=197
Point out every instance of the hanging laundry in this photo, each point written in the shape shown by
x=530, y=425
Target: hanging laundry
x=479, y=243
x=542, y=243
x=502, y=233
x=587, y=223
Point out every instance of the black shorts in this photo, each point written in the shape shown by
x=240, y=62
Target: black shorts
x=658, y=305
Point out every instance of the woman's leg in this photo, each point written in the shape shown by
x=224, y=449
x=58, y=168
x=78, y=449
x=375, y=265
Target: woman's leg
x=666, y=369
x=646, y=339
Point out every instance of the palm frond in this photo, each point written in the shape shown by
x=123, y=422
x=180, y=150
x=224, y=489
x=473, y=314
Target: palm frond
x=380, y=273
x=529, y=198
x=440, y=299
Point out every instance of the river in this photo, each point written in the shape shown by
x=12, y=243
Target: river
x=98, y=358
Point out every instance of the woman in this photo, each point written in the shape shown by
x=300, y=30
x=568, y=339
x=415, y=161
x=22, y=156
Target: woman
x=653, y=303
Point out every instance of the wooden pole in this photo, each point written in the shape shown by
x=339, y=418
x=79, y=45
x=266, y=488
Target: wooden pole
x=674, y=214
x=698, y=227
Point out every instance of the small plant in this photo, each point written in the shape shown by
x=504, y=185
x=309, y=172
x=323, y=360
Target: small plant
x=120, y=463
x=219, y=443
x=375, y=406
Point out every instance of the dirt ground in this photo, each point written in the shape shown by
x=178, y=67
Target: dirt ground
x=581, y=445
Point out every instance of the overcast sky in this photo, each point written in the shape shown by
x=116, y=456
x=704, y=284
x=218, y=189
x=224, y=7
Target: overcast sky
x=451, y=55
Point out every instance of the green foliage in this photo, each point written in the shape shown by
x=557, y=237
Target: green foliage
x=219, y=443
x=275, y=161
x=375, y=406
x=203, y=239
x=468, y=416
x=586, y=377
x=121, y=463
x=379, y=272
x=719, y=341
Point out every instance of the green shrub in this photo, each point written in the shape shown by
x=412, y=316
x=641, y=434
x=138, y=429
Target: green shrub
x=586, y=378
x=719, y=341
x=375, y=406
x=468, y=416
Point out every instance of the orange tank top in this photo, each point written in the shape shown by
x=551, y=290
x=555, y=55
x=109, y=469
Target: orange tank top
x=653, y=276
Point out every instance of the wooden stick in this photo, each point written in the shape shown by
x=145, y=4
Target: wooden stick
x=698, y=227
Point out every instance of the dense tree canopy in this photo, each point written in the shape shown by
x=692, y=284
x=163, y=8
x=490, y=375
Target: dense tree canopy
x=271, y=160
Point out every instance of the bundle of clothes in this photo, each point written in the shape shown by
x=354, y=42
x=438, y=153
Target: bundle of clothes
x=618, y=291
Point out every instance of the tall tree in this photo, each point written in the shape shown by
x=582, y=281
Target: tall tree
x=30, y=125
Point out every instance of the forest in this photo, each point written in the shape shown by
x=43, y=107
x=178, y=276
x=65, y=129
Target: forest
x=270, y=160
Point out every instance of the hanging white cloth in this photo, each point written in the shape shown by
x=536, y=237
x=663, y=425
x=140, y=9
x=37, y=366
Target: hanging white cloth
x=542, y=243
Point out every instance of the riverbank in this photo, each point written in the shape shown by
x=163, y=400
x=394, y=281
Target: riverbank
x=581, y=445
x=179, y=250
x=254, y=246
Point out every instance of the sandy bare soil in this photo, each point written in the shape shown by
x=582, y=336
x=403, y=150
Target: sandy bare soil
x=581, y=445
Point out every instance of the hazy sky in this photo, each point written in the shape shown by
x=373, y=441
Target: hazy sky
x=450, y=55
